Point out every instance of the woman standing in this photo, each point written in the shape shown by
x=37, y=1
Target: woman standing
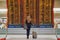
x=28, y=24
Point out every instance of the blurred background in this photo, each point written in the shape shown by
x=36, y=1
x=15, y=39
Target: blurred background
x=3, y=16
x=3, y=9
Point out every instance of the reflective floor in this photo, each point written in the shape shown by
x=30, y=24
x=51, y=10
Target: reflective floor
x=23, y=37
x=31, y=39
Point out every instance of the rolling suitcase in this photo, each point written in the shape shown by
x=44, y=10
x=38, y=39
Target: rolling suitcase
x=34, y=35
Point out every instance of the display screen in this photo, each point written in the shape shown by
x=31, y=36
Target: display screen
x=39, y=10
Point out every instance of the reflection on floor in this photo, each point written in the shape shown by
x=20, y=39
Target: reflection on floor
x=31, y=39
x=23, y=37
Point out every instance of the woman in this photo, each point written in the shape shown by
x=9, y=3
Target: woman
x=28, y=24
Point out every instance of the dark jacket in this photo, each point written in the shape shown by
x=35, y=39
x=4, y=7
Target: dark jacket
x=28, y=24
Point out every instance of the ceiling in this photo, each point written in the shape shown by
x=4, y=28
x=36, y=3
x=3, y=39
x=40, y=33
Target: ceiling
x=3, y=5
x=2, y=0
x=57, y=4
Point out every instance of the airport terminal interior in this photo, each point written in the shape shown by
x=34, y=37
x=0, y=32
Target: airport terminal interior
x=45, y=19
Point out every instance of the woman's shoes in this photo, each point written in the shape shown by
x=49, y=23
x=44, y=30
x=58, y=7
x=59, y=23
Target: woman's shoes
x=27, y=37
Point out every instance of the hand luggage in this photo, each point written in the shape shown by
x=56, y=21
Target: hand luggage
x=34, y=34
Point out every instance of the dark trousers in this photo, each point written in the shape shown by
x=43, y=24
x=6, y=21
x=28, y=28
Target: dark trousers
x=28, y=29
x=28, y=32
